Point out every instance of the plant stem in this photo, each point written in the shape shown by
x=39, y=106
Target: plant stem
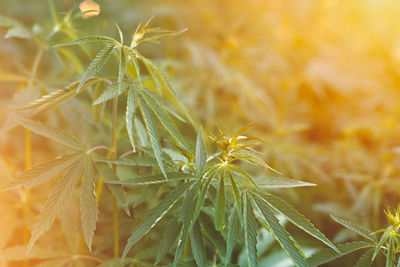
x=28, y=150
x=114, y=154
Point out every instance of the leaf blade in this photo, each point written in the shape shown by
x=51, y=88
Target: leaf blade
x=155, y=215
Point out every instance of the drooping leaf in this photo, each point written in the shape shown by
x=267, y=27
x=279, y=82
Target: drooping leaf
x=90, y=39
x=250, y=231
x=365, y=232
x=164, y=118
x=155, y=215
x=130, y=112
x=186, y=216
x=198, y=248
x=88, y=203
x=96, y=64
x=55, y=202
x=280, y=234
x=46, y=130
x=328, y=255
x=233, y=232
x=236, y=194
x=220, y=204
x=295, y=217
x=42, y=172
x=162, y=82
x=169, y=237
x=152, y=133
x=201, y=153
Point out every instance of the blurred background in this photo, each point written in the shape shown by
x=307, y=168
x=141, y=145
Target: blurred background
x=320, y=79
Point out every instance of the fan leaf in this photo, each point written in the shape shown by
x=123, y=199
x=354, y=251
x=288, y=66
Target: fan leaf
x=200, y=157
x=55, y=202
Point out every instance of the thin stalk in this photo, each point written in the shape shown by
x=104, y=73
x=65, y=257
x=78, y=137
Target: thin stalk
x=28, y=150
x=114, y=154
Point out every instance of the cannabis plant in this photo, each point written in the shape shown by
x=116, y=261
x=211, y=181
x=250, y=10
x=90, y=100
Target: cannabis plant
x=205, y=189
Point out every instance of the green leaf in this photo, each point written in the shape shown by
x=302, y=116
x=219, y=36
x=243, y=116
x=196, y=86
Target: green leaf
x=378, y=247
x=90, y=39
x=198, y=248
x=236, y=194
x=153, y=179
x=220, y=204
x=165, y=35
x=162, y=80
x=390, y=254
x=55, y=203
x=201, y=153
x=164, y=118
x=88, y=203
x=42, y=172
x=295, y=217
x=328, y=255
x=122, y=66
x=250, y=232
x=46, y=130
x=361, y=230
x=109, y=93
x=55, y=98
x=280, y=234
x=152, y=133
x=130, y=112
x=155, y=215
x=366, y=259
x=169, y=237
x=202, y=196
x=278, y=182
x=233, y=232
x=186, y=216
x=96, y=64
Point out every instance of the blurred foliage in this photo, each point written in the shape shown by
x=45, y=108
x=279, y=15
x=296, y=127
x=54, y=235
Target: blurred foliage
x=319, y=79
